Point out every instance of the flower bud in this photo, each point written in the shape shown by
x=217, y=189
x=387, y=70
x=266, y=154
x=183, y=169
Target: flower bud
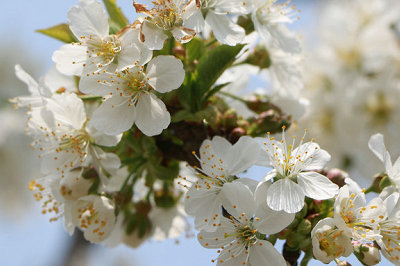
x=368, y=254
x=337, y=176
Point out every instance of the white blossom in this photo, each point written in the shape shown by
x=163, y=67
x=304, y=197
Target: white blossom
x=294, y=175
x=130, y=99
x=377, y=146
x=94, y=215
x=96, y=49
x=329, y=242
x=238, y=232
x=216, y=15
x=166, y=17
x=52, y=82
x=64, y=140
x=355, y=217
x=390, y=229
x=269, y=18
x=220, y=162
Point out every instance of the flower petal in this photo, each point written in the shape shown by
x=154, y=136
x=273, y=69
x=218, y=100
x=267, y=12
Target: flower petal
x=377, y=145
x=238, y=200
x=244, y=154
x=132, y=49
x=224, y=29
x=218, y=238
x=270, y=221
x=285, y=195
x=154, y=37
x=88, y=18
x=152, y=116
x=114, y=116
x=165, y=73
x=69, y=59
x=317, y=186
x=264, y=253
x=312, y=156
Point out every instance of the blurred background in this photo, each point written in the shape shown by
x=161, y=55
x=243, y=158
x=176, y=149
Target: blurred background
x=27, y=237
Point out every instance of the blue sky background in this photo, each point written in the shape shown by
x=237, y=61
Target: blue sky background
x=31, y=239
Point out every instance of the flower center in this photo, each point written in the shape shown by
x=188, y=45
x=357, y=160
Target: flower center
x=107, y=48
x=167, y=14
x=90, y=220
x=76, y=142
x=135, y=81
x=328, y=242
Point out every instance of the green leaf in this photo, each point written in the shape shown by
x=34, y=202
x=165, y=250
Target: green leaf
x=115, y=13
x=60, y=32
x=214, y=91
x=157, y=171
x=94, y=187
x=185, y=115
x=210, y=67
x=194, y=49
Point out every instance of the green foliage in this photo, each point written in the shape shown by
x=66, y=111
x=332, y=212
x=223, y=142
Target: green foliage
x=205, y=67
x=60, y=32
x=117, y=18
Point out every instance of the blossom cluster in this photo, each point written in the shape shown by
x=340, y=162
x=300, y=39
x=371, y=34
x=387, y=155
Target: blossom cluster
x=140, y=125
x=352, y=79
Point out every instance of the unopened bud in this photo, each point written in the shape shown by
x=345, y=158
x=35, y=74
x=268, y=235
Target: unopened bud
x=337, y=176
x=90, y=173
x=230, y=118
x=304, y=227
x=179, y=51
x=236, y=133
x=368, y=254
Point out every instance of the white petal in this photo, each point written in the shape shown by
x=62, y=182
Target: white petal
x=250, y=183
x=377, y=145
x=69, y=59
x=205, y=205
x=132, y=49
x=312, y=156
x=105, y=163
x=114, y=116
x=264, y=253
x=93, y=84
x=194, y=20
x=104, y=140
x=224, y=29
x=317, y=186
x=182, y=35
x=285, y=38
x=88, y=18
x=218, y=238
x=22, y=75
x=165, y=73
x=152, y=116
x=244, y=154
x=237, y=7
x=68, y=109
x=54, y=80
x=154, y=37
x=270, y=221
x=232, y=255
x=212, y=153
x=237, y=199
x=285, y=195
